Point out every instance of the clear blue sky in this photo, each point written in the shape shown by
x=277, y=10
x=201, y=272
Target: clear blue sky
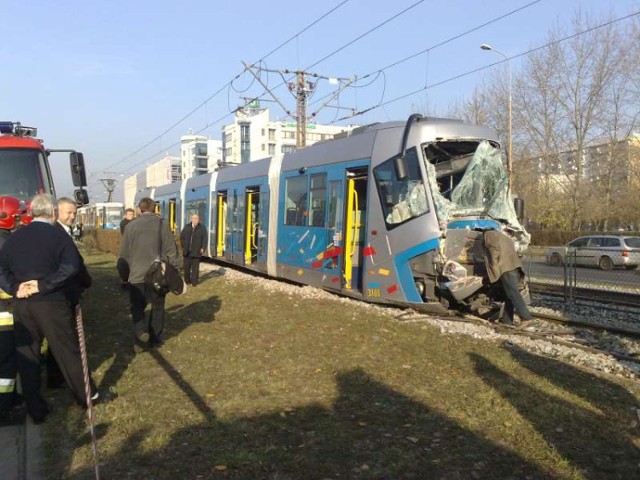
x=108, y=77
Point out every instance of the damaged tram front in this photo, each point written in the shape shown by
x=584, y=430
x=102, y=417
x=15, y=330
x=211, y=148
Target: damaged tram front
x=445, y=188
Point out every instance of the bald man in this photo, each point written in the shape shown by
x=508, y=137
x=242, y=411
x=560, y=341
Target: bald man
x=193, y=239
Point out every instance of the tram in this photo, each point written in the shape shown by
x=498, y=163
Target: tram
x=391, y=212
x=101, y=216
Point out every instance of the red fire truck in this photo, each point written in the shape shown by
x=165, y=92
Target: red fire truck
x=25, y=172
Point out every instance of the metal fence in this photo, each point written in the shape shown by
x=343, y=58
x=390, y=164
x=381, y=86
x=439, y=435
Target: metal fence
x=576, y=280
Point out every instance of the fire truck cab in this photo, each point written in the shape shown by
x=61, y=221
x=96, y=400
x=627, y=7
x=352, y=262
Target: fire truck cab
x=25, y=172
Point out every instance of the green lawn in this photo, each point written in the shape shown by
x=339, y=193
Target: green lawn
x=255, y=384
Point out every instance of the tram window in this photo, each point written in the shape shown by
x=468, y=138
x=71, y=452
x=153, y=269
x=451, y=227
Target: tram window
x=318, y=199
x=401, y=199
x=295, y=202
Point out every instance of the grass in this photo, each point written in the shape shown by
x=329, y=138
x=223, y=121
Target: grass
x=253, y=384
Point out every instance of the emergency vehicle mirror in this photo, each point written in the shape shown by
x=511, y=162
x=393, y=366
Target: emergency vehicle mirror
x=81, y=196
x=78, y=172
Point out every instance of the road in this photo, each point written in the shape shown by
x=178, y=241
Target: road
x=618, y=279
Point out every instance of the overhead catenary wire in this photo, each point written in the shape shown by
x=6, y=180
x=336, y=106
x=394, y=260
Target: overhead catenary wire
x=285, y=81
x=226, y=86
x=433, y=47
x=479, y=69
x=375, y=72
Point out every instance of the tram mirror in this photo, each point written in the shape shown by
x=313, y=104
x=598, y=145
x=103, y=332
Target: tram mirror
x=400, y=165
x=518, y=205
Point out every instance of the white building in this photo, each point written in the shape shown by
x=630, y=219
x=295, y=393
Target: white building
x=199, y=155
x=252, y=136
x=132, y=185
x=164, y=171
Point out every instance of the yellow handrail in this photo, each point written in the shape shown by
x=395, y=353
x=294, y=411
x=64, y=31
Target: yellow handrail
x=248, y=232
x=348, y=262
x=222, y=218
x=254, y=230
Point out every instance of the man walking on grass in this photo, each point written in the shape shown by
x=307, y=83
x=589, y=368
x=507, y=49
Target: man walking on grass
x=139, y=248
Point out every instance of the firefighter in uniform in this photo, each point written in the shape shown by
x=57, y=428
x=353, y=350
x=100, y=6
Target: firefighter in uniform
x=8, y=395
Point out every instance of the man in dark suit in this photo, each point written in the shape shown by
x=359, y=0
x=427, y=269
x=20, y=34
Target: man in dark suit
x=138, y=250
x=193, y=239
x=36, y=263
x=66, y=217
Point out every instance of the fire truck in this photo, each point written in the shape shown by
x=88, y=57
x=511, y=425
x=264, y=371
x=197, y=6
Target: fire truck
x=25, y=172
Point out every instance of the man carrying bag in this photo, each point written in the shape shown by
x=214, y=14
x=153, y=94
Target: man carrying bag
x=143, y=242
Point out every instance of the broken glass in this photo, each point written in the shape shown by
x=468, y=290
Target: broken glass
x=469, y=179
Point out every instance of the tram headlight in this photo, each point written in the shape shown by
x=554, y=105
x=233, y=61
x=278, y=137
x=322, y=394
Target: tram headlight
x=421, y=287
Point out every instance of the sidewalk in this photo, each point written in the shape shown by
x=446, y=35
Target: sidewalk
x=20, y=445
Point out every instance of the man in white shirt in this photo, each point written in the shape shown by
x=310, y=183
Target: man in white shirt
x=66, y=214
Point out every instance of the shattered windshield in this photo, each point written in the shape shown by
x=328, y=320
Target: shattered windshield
x=469, y=178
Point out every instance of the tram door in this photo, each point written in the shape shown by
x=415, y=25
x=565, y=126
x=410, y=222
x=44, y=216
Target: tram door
x=252, y=202
x=221, y=227
x=355, y=228
x=346, y=228
x=256, y=227
x=235, y=222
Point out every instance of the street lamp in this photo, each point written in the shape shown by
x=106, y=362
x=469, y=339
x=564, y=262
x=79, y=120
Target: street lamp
x=485, y=46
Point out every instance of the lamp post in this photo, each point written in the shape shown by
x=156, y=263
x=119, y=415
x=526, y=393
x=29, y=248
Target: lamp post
x=485, y=46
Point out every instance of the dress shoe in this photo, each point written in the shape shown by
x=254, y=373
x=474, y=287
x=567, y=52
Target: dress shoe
x=103, y=397
x=39, y=416
x=143, y=337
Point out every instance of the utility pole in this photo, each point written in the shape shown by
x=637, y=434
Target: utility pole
x=301, y=110
x=109, y=185
x=301, y=89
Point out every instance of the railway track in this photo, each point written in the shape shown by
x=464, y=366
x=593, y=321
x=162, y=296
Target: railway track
x=621, y=343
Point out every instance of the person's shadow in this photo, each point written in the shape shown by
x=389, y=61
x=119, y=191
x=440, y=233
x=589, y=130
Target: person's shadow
x=561, y=403
x=112, y=322
x=370, y=431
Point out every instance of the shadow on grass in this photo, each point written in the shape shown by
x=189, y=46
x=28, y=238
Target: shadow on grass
x=371, y=431
x=608, y=454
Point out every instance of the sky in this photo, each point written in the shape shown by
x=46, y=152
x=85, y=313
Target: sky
x=121, y=81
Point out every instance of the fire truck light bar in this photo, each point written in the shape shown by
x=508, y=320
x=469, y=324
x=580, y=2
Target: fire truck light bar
x=15, y=127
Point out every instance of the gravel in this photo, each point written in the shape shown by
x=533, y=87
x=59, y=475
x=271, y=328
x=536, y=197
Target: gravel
x=594, y=313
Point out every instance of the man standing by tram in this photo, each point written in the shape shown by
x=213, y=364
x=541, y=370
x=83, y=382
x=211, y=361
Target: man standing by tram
x=193, y=240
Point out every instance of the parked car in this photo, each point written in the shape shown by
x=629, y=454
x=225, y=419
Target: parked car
x=603, y=251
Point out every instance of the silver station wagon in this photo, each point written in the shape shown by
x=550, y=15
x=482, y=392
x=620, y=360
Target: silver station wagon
x=603, y=251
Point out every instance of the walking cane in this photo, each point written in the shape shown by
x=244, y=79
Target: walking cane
x=87, y=388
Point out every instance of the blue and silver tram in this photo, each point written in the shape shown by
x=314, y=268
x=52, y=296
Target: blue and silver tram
x=101, y=216
x=391, y=212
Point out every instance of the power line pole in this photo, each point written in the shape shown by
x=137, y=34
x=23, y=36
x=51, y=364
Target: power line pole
x=301, y=110
x=109, y=185
x=301, y=89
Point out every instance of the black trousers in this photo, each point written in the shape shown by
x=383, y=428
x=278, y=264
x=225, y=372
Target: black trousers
x=55, y=379
x=140, y=296
x=191, y=270
x=514, y=301
x=35, y=320
x=7, y=360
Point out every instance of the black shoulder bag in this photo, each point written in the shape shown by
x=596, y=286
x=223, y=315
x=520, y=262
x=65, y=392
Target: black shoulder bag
x=157, y=277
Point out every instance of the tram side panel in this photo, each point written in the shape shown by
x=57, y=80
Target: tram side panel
x=403, y=228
